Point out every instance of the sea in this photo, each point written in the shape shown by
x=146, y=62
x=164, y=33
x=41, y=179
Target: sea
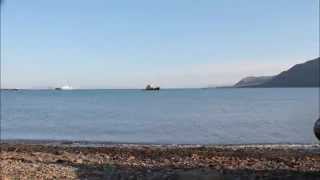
x=172, y=116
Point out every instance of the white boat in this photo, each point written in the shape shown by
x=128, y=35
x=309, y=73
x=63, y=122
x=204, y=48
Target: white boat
x=66, y=87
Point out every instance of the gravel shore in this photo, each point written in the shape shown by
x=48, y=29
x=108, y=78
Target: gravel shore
x=139, y=162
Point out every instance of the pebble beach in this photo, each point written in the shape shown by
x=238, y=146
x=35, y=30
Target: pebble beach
x=69, y=160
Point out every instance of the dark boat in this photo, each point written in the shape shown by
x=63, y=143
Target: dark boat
x=152, y=88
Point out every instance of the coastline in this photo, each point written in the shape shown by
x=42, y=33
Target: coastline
x=109, y=144
x=29, y=159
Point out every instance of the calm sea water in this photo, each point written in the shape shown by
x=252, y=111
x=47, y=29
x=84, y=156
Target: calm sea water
x=194, y=116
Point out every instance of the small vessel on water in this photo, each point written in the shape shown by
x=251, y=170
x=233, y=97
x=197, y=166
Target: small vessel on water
x=151, y=87
x=66, y=87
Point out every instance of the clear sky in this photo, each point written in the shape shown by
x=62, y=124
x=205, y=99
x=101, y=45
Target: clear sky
x=171, y=43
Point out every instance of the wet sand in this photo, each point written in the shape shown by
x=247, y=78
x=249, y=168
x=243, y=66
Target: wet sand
x=74, y=160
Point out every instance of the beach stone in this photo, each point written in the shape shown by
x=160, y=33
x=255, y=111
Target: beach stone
x=316, y=129
x=131, y=158
x=79, y=161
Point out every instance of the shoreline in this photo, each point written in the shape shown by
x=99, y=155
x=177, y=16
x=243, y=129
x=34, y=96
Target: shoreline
x=48, y=160
x=89, y=143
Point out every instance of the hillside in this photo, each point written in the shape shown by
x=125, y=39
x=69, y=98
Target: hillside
x=253, y=81
x=300, y=75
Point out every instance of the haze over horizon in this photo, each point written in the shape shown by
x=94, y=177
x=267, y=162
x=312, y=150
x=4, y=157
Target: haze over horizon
x=128, y=44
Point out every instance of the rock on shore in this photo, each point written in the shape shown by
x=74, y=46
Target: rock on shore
x=317, y=129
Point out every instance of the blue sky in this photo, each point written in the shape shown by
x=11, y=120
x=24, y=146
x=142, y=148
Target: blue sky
x=172, y=43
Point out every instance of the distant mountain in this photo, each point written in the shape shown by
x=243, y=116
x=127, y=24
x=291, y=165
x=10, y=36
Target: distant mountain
x=300, y=75
x=253, y=81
